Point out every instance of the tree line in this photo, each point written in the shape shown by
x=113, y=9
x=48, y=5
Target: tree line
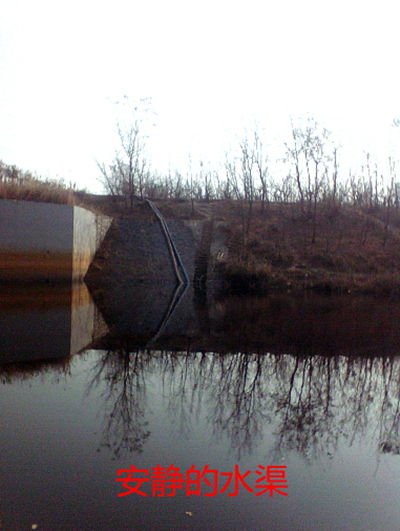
x=309, y=179
x=310, y=174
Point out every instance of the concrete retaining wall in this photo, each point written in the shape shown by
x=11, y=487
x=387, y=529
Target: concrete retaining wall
x=88, y=232
x=47, y=242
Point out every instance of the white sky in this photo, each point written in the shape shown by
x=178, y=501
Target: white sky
x=210, y=67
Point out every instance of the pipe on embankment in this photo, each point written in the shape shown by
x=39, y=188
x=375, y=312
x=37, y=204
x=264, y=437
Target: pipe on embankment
x=177, y=262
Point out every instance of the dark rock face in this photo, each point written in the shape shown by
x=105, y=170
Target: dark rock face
x=137, y=250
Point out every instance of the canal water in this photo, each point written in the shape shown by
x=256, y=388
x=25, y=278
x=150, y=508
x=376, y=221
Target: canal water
x=154, y=411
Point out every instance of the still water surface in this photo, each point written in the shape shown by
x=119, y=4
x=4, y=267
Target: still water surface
x=313, y=384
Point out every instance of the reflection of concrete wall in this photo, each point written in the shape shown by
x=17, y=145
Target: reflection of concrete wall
x=44, y=241
x=31, y=336
x=35, y=324
x=86, y=320
x=46, y=322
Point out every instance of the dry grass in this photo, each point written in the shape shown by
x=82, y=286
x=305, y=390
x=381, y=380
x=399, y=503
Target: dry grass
x=35, y=190
x=18, y=184
x=352, y=250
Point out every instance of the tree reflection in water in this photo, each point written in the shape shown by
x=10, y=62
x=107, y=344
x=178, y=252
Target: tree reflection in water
x=312, y=402
x=124, y=395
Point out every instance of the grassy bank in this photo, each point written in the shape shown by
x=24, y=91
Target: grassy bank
x=336, y=249
x=18, y=184
x=327, y=245
x=342, y=249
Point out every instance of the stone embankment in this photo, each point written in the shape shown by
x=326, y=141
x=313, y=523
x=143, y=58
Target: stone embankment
x=135, y=249
x=133, y=279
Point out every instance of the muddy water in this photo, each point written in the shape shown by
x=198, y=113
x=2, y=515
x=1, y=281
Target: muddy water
x=89, y=387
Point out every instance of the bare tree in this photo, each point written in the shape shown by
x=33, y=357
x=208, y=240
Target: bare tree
x=261, y=163
x=239, y=177
x=247, y=180
x=129, y=171
x=309, y=154
x=293, y=153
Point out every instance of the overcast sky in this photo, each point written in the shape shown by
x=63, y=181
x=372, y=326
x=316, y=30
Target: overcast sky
x=212, y=68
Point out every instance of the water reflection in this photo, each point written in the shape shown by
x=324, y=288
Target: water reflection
x=275, y=361
x=311, y=402
x=311, y=382
x=39, y=322
x=279, y=323
x=121, y=376
x=312, y=398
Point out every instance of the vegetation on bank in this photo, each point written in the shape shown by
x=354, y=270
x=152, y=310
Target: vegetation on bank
x=294, y=223
x=350, y=249
x=306, y=226
x=23, y=185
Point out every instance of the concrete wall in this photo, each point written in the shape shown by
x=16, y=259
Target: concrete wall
x=88, y=232
x=47, y=242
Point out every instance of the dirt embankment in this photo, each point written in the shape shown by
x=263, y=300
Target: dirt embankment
x=280, y=246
